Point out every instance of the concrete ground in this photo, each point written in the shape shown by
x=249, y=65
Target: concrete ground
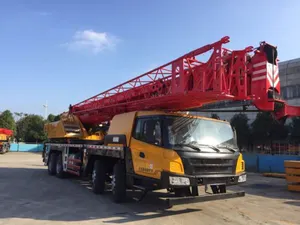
x=29, y=196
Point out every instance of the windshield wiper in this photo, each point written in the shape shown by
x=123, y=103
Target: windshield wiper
x=210, y=146
x=189, y=145
x=228, y=147
x=213, y=147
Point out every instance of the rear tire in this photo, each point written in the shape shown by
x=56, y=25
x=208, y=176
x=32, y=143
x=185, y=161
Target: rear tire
x=98, y=177
x=52, y=164
x=59, y=166
x=119, y=183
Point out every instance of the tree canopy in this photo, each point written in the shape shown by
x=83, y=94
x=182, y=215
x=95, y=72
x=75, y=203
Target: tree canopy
x=53, y=118
x=240, y=123
x=295, y=129
x=26, y=127
x=31, y=129
x=7, y=120
x=215, y=116
x=265, y=128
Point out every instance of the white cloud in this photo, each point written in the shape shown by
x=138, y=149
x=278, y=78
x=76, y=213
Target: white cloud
x=92, y=41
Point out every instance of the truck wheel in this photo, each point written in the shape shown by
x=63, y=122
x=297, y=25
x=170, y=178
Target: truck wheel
x=52, y=164
x=98, y=177
x=6, y=148
x=59, y=166
x=118, y=183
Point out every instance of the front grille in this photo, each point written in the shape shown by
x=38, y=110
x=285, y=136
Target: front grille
x=206, y=169
x=196, y=161
x=200, y=166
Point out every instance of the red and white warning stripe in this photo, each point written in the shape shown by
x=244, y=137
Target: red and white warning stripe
x=259, y=71
x=273, y=74
x=265, y=70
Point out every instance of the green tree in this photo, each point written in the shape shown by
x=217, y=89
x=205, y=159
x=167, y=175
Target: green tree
x=53, y=118
x=261, y=127
x=50, y=117
x=22, y=125
x=240, y=123
x=295, y=129
x=7, y=120
x=31, y=129
x=215, y=116
x=265, y=128
x=19, y=115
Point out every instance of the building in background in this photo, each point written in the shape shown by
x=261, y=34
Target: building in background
x=289, y=73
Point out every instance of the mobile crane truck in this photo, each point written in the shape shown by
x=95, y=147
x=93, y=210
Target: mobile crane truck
x=143, y=135
x=5, y=134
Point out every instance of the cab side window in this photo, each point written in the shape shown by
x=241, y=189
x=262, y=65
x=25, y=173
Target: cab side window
x=148, y=130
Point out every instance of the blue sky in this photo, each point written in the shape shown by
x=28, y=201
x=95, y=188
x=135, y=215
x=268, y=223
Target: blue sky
x=66, y=51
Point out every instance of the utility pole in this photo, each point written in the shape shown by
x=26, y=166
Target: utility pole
x=46, y=110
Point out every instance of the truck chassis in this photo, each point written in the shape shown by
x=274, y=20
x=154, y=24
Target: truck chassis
x=103, y=164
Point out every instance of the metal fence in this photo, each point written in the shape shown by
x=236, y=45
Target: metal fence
x=25, y=147
x=276, y=148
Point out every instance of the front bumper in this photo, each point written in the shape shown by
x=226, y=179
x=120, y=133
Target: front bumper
x=216, y=179
x=194, y=181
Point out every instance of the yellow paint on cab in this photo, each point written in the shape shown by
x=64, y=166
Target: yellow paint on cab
x=156, y=160
x=240, y=165
x=122, y=124
x=151, y=164
x=172, y=162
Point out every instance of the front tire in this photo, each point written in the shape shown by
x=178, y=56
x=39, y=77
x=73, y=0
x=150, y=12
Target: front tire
x=119, y=183
x=59, y=167
x=52, y=164
x=98, y=177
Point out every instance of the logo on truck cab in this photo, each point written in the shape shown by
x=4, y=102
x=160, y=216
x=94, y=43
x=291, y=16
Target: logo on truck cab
x=115, y=139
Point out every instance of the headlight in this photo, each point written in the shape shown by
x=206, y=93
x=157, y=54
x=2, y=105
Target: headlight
x=179, y=181
x=242, y=178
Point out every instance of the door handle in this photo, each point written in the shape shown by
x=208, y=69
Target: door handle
x=142, y=154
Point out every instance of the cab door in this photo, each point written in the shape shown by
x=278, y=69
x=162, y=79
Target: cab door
x=145, y=145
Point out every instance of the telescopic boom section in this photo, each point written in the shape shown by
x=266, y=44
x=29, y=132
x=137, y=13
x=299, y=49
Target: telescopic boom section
x=249, y=74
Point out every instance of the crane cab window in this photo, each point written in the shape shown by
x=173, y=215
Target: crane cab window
x=148, y=130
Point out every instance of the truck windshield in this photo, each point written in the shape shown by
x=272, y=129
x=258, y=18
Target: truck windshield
x=194, y=133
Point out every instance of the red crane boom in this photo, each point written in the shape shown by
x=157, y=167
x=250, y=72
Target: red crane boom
x=6, y=131
x=186, y=83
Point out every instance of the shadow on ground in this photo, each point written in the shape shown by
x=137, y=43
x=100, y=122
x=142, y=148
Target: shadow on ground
x=32, y=193
x=268, y=187
x=294, y=203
